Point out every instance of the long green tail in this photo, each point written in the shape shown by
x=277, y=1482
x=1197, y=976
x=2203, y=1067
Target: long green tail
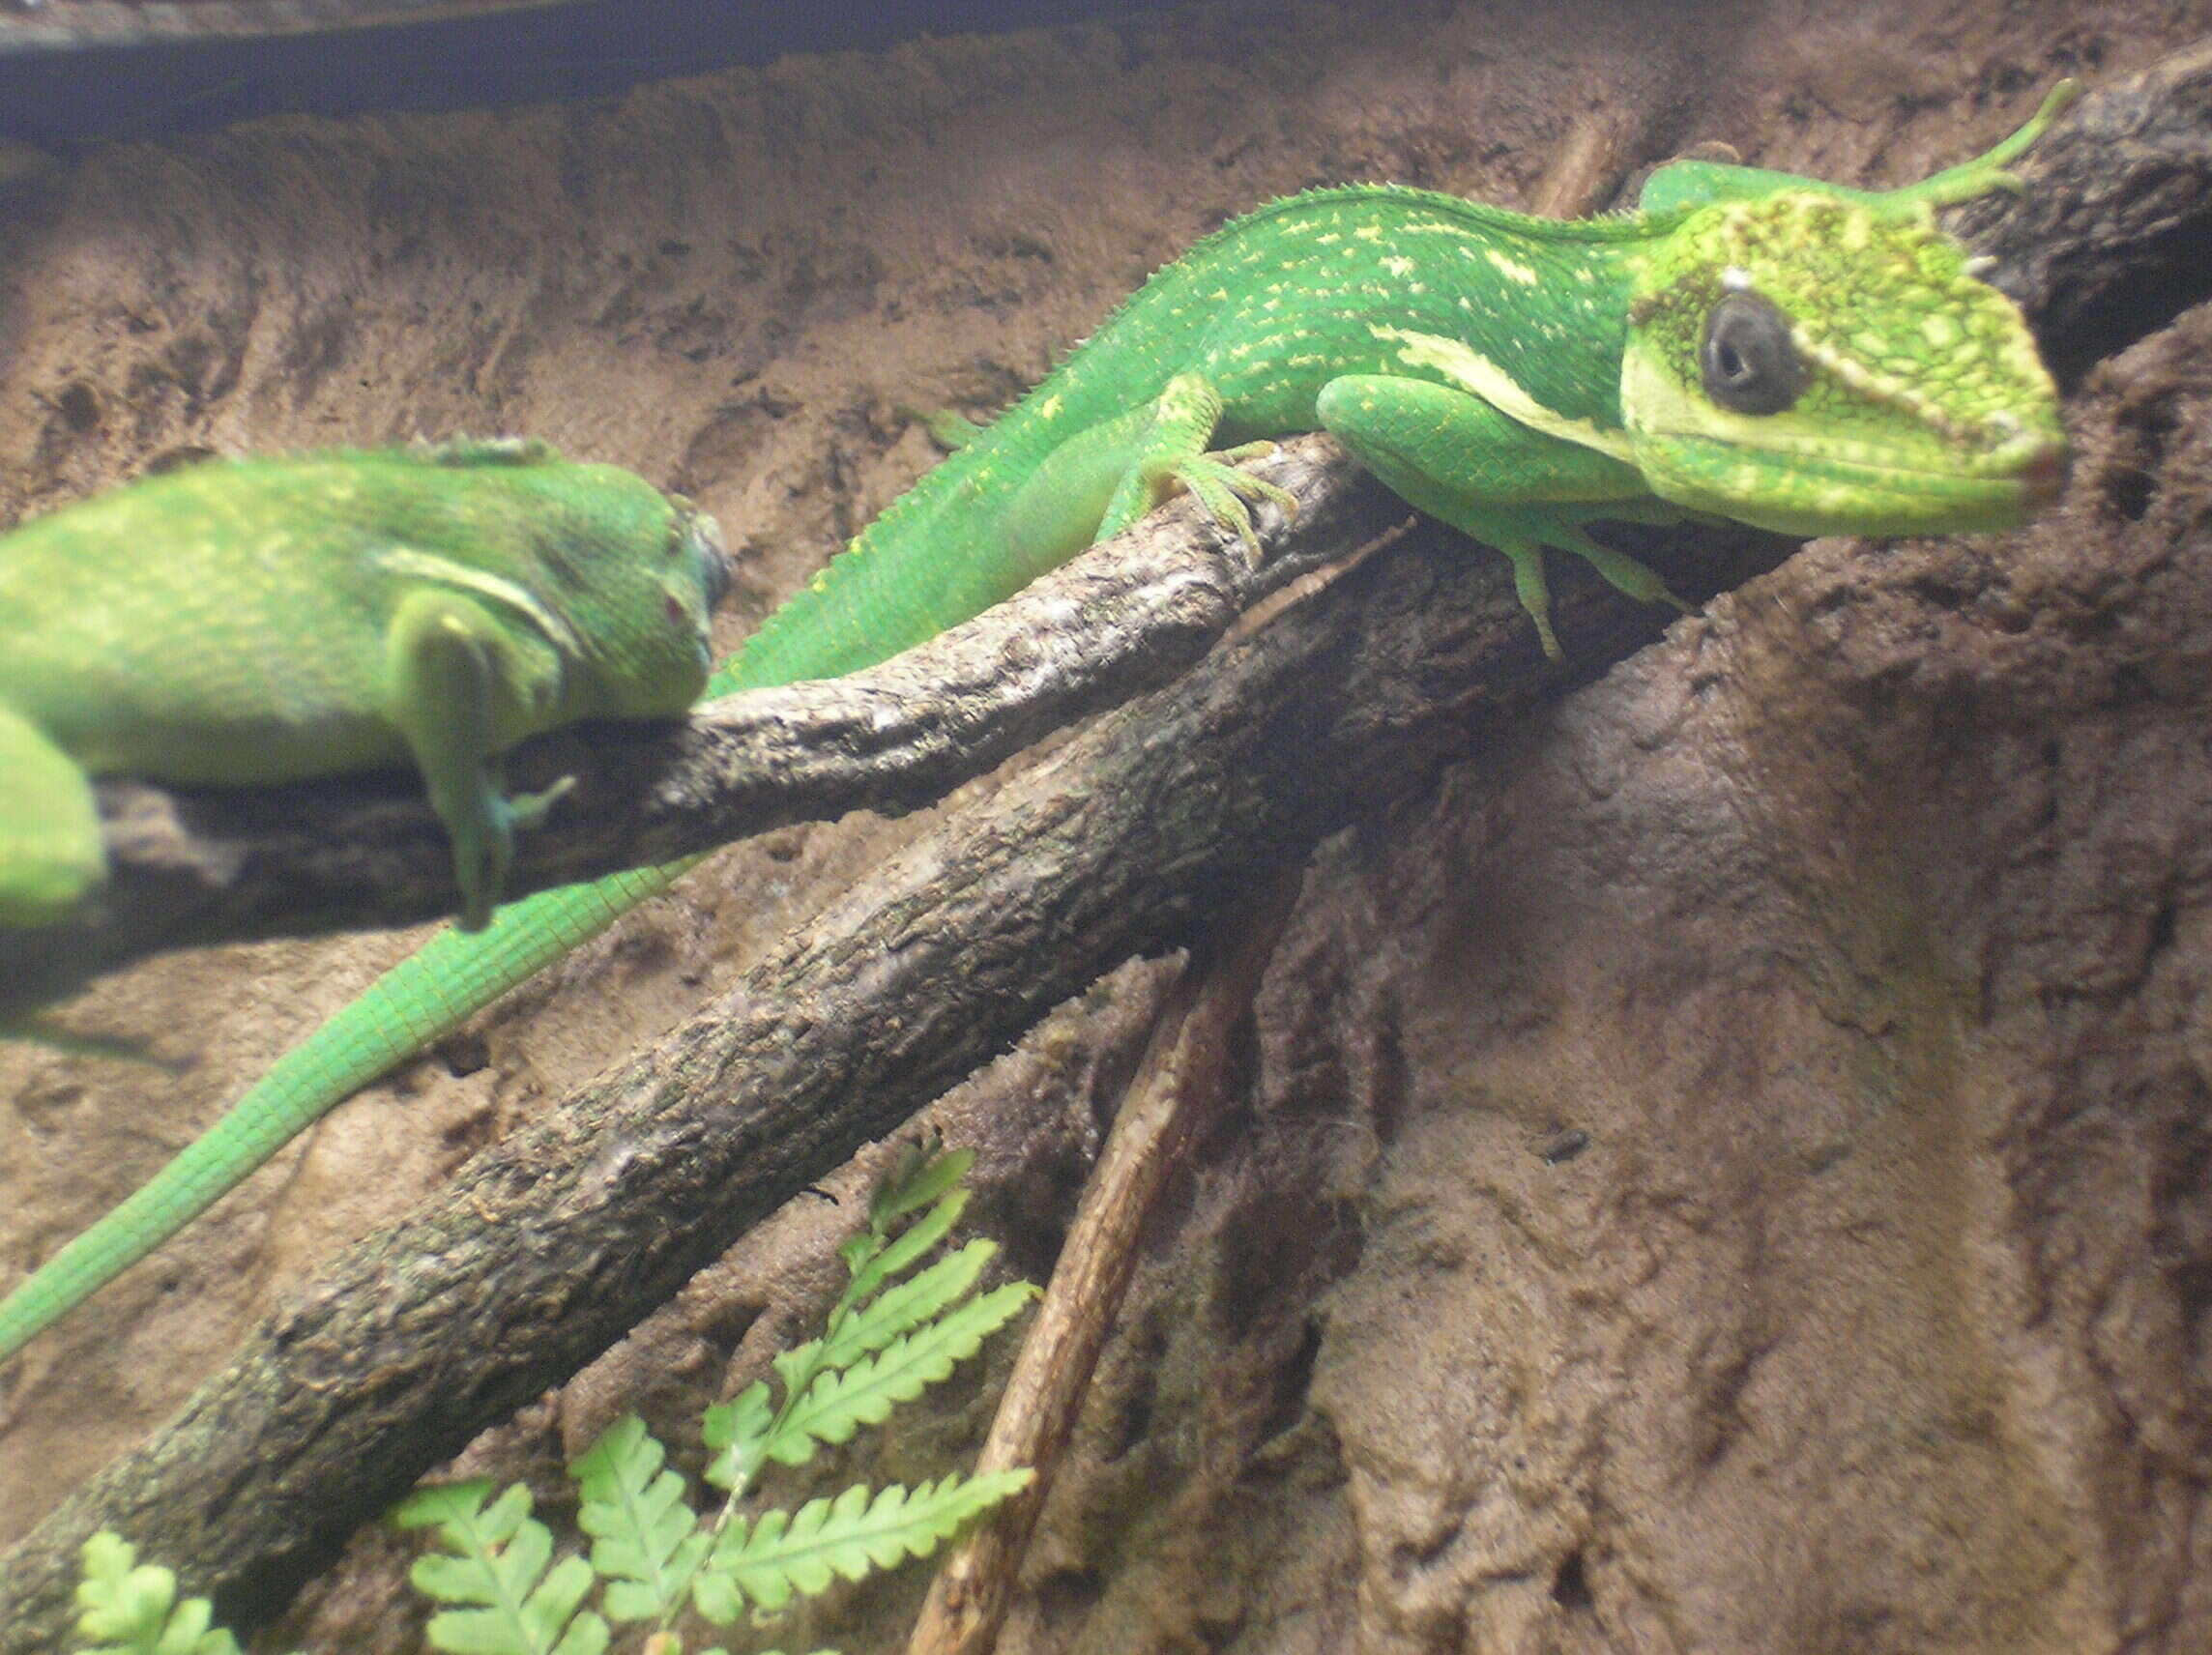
x=866, y=607
x=426, y=994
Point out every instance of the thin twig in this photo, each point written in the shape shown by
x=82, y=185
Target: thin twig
x=1179, y=1088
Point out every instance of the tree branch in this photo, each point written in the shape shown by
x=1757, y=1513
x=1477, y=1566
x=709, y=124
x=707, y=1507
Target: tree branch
x=544, y=1251
x=192, y=867
x=200, y=865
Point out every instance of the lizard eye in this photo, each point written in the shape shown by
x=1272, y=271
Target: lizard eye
x=1748, y=363
x=695, y=539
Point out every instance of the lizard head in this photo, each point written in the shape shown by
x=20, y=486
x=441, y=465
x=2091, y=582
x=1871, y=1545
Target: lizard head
x=694, y=577
x=1809, y=364
x=636, y=574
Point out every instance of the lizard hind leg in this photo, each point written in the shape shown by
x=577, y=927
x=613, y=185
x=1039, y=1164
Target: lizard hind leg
x=1102, y=479
x=51, y=850
x=1169, y=452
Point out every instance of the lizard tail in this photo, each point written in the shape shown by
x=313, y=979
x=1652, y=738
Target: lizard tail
x=421, y=999
x=865, y=608
x=444, y=982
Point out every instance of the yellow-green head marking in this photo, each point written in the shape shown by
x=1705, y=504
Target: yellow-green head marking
x=1806, y=363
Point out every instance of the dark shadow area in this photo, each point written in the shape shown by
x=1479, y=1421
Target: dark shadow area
x=64, y=99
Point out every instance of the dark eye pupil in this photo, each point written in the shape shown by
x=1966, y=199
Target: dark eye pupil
x=1749, y=363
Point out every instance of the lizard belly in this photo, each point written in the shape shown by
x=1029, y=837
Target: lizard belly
x=243, y=747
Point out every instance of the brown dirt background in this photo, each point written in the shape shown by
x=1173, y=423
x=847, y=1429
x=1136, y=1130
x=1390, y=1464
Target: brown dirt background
x=1862, y=925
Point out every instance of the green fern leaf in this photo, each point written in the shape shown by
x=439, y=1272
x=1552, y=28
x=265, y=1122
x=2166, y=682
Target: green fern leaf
x=646, y=1542
x=736, y=1430
x=797, y=1368
x=715, y=1596
x=918, y=1179
x=907, y=1305
x=495, y=1563
x=838, y=1402
x=873, y=1259
x=131, y=1608
x=784, y=1554
x=739, y=1430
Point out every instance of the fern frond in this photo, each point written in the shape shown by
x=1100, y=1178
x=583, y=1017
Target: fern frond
x=747, y=1431
x=837, y=1401
x=907, y=1305
x=645, y=1541
x=495, y=1563
x=922, y=1175
x=874, y=1257
x=131, y=1608
x=782, y=1554
x=736, y=1430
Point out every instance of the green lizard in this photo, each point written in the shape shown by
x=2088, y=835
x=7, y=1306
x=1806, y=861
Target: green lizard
x=1746, y=343
x=266, y=619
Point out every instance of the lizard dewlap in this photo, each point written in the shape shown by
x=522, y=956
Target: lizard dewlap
x=265, y=620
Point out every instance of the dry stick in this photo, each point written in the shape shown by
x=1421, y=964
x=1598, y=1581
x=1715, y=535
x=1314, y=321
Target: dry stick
x=1584, y=167
x=1177, y=1088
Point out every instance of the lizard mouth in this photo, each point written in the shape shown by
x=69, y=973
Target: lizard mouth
x=1858, y=469
x=1811, y=492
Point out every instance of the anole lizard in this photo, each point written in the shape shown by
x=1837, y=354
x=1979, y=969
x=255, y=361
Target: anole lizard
x=265, y=620
x=1747, y=344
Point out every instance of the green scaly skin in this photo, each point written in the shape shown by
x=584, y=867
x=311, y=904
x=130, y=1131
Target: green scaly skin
x=266, y=619
x=1747, y=344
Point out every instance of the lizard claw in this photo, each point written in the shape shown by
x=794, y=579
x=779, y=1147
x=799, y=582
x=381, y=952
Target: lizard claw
x=1224, y=492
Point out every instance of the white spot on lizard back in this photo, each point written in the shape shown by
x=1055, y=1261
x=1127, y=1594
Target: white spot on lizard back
x=1509, y=269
